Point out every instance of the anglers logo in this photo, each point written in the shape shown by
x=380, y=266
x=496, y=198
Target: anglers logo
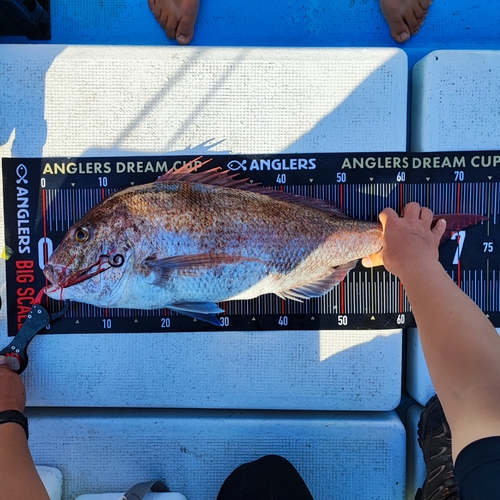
x=23, y=210
x=235, y=165
x=273, y=164
x=21, y=172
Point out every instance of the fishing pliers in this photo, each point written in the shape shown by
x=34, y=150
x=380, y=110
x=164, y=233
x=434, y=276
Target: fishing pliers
x=38, y=318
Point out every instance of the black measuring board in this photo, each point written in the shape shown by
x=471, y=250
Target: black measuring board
x=43, y=197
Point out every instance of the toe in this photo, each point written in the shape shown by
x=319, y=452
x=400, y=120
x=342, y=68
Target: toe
x=185, y=32
x=412, y=22
x=171, y=27
x=397, y=25
x=400, y=31
x=155, y=9
x=185, y=29
x=159, y=12
x=422, y=11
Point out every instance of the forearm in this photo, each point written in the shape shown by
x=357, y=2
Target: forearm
x=19, y=479
x=461, y=347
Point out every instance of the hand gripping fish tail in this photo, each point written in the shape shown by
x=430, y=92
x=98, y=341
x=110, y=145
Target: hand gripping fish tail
x=193, y=239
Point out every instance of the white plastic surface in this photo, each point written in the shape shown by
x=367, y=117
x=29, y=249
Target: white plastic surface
x=418, y=380
x=455, y=101
x=90, y=100
x=52, y=480
x=274, y=370
x=339, y=455
x=85, y=100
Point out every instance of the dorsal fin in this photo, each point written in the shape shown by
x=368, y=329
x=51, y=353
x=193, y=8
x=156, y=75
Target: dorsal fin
x=218, y=177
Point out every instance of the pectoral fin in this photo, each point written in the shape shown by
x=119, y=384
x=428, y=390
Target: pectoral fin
x=190, y=265
x=204, y=311
x=320, y=287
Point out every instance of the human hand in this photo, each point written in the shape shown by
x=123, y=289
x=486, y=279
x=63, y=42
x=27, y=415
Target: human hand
x=409, y=241
x=12, y=391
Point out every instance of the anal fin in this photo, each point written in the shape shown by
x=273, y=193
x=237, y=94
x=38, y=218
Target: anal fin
x=320, y=287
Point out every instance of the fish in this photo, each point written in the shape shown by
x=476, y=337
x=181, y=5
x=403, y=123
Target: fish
x=193, y=239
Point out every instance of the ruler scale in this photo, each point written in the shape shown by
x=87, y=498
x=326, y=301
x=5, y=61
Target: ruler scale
x=52, y=193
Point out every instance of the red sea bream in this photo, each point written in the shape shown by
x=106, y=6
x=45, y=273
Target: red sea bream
x=191, y=240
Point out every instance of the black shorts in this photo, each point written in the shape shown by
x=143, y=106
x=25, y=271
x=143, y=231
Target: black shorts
x=477, y=470
x=270, y=477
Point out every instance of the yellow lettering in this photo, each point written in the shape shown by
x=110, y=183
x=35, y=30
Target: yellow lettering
x=47, y=169
x=59, y=169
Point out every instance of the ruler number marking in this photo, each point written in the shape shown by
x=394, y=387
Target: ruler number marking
x=488, y=246
x=460, y=236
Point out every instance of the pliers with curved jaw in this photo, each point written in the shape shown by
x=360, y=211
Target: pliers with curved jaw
x=38, y=318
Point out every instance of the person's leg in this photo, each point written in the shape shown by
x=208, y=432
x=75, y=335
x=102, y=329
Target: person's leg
x=404, y=17
x=176, y=17
x=476, y=470
x=269, y=478
x=475, y=475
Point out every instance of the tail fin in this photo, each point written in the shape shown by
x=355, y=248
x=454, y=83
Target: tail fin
x=456, y=222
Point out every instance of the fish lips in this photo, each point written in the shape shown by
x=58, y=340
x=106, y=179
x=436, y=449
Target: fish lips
x=53, y=272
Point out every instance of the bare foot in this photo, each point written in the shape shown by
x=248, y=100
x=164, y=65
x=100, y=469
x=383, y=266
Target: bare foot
x=176, y=17
x=404, y=17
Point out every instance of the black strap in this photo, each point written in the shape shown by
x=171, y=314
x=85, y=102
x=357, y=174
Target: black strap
x=138, y=492
x=17, y=417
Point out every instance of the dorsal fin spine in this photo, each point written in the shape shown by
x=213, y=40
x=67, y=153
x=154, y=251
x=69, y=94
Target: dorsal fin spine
x=218, y=177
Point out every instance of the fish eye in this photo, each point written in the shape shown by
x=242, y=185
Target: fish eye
x=81, y=234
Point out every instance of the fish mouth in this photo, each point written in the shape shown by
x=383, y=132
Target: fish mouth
x=59, y=276
x=53, y=272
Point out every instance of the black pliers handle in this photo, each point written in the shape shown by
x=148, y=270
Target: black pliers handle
x=38, y=318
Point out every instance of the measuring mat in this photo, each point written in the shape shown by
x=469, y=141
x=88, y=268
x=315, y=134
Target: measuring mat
x=51, y=194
